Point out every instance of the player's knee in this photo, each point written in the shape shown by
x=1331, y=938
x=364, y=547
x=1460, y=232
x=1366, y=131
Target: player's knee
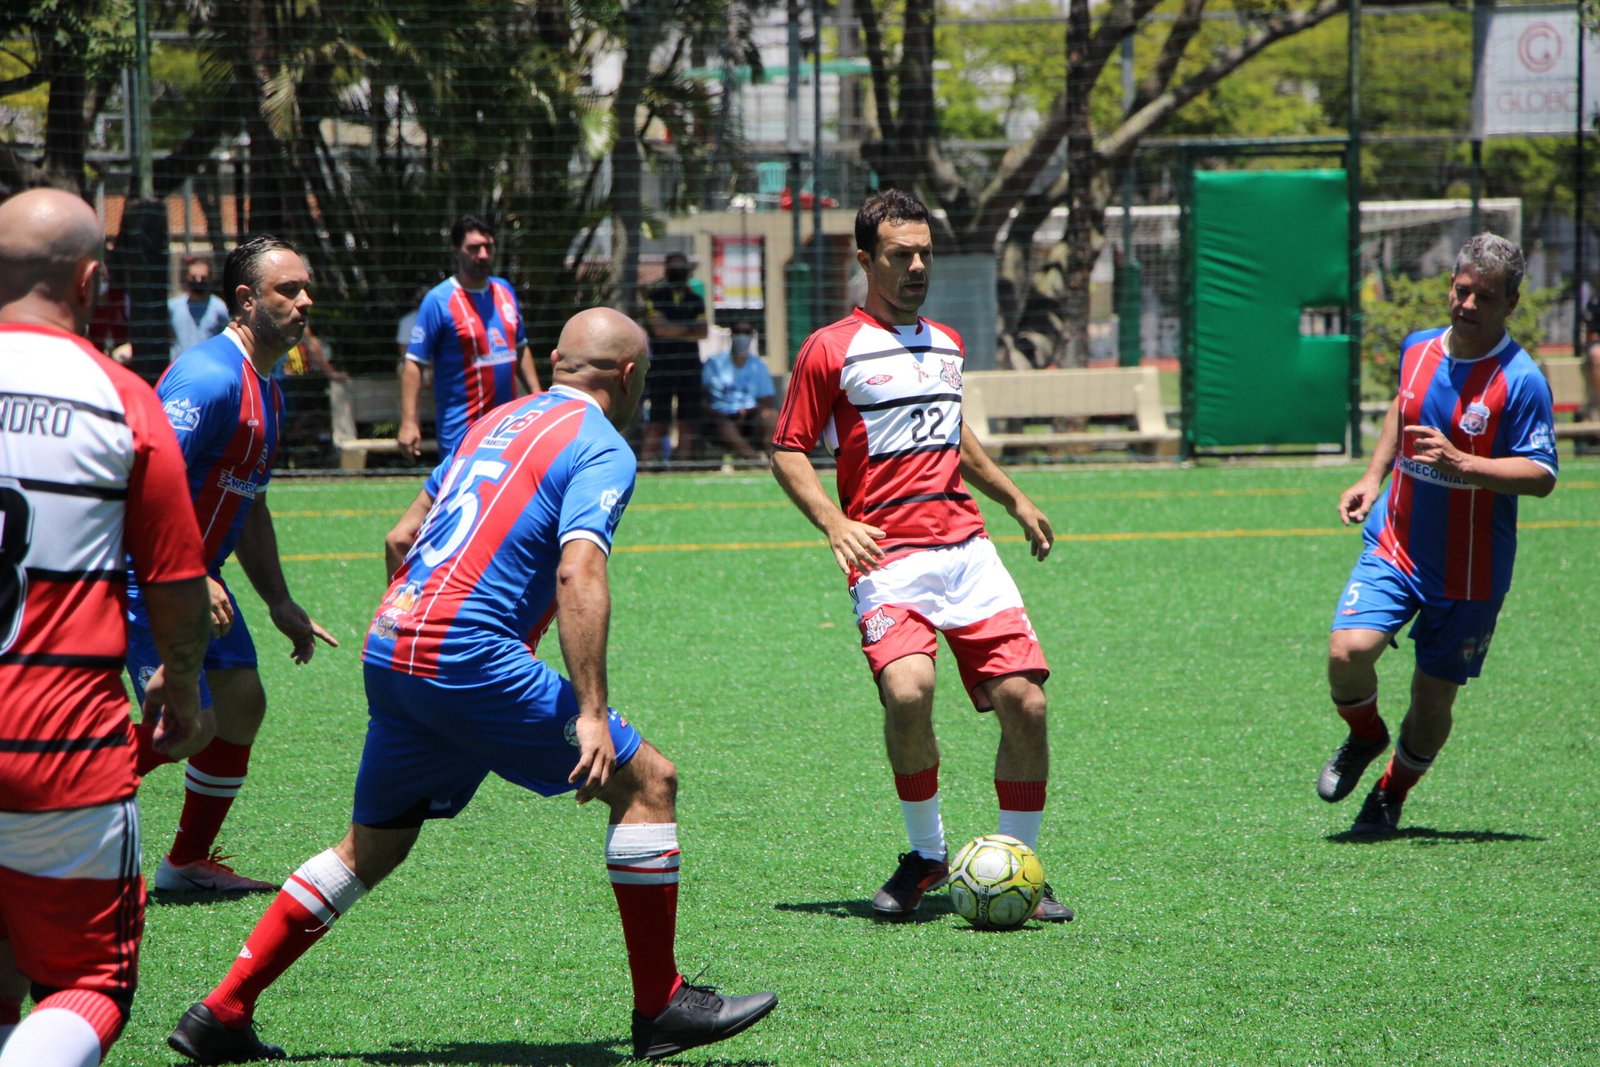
x=1350, y=651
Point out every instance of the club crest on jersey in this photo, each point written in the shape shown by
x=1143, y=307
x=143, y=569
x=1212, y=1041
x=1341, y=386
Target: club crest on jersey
x=874, y=626
x=182, y=413
x=1475, y=420
x=508, y=315
x=950, y=373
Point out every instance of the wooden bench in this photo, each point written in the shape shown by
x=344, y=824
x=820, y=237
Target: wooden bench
x=1568, y=392
x=360, y=403
x=1129, y=393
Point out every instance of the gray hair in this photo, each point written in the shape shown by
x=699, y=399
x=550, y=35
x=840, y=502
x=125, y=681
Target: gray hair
x=1489, y=253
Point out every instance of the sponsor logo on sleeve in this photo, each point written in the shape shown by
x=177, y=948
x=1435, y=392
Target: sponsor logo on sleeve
x=183, y=414
x=417, y=335
x=1542, y=438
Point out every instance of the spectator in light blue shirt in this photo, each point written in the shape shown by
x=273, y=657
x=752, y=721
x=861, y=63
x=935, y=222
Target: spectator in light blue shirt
x=198, y=315
x=739, y=398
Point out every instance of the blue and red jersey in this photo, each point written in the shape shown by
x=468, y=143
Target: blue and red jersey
x=228, y=418
x=1456, y=540
x=478, y=587
x=471, y=339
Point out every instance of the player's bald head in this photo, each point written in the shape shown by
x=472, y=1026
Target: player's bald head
x=46, y=235
x=598, y=340
x=606, y=354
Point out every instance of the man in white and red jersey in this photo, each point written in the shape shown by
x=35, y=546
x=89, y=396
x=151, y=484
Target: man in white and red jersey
x=89, y=470
x=883, y=389
x=511, y=532
x=469, y=329
x=228, y=412
x=1470, y=432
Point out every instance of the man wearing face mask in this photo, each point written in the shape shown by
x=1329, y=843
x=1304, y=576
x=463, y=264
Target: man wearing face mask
x=675, y=316
x=738, y=390
x=198, y=315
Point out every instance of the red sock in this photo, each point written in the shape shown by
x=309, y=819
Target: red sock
x=1405, y=769
x=922, y=785
x=1363, y=719
x=96, y=1009
x=213, y=780
x=642, y=862
x=147, y=758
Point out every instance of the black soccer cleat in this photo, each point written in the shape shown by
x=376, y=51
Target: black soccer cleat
x=202, y=1037
x=1380, y=814
x=1050, y=910
x=901, y=895
x=1348, y=763
x=697, y=1015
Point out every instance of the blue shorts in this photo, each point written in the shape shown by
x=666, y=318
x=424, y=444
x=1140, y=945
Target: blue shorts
x=1451, y=636
x=430, y=744
x=231, y=651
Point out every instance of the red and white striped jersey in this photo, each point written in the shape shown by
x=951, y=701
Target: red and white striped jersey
x=90, y=476
x=887, y=402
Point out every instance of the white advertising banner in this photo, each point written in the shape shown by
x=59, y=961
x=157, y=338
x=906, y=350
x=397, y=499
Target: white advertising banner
x=1528, y=72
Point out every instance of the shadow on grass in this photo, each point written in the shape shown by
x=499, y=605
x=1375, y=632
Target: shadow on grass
x=511, y=1054
x=171, y=899
x=932, y=908
x=1429, y=836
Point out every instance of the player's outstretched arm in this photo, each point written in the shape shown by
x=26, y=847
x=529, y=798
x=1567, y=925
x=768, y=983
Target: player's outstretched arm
x=583, y=621
x=986, y=476
x=257, y=552
x=853, y=543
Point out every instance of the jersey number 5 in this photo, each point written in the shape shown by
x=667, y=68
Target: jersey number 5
x=16, y=535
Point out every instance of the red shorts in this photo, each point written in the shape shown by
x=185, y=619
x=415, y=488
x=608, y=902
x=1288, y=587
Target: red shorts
x=71, y=896
x=962, y=591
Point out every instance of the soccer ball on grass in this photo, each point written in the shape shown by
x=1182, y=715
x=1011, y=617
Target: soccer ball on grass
x=996, y=882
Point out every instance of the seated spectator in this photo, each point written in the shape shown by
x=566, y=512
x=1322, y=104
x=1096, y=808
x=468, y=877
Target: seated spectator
x=740, y=415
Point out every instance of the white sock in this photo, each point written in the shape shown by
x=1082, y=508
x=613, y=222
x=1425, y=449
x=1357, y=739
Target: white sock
x=52, y=1037
x=1022, y=825
x=924, y=827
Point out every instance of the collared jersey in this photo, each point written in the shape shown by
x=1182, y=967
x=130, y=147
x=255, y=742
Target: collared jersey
x=228, y=418
x=887, y=402
x=471, y=339
x=1459, y=541
x=478, y=587
x=90, y=476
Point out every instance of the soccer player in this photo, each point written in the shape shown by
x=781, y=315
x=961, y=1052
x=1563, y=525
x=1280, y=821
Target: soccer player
x=469, y=329
x=513, y=531
x=88, y=471
x=883, y=389
x=1469, y=432
x=227, y=411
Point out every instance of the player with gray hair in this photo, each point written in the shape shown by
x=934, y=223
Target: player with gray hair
x=1469, y=432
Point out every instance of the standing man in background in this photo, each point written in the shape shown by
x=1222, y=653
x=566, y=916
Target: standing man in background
x=1470, y=431
x=197, y=315
x=675, y=316
x=88, y=481
x=227, y=411
x=883, y=389
x=469, y=329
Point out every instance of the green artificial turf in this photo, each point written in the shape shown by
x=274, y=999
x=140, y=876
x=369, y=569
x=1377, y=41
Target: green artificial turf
x=1223, y=915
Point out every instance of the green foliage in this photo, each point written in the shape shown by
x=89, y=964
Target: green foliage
x=996, y=72
x=1420, y=303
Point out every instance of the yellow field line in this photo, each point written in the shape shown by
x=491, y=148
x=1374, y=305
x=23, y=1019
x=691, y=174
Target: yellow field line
x=1084, y=538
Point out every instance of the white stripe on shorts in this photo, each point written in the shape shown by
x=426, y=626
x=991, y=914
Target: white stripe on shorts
x=952, y=586
x=97, y=842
